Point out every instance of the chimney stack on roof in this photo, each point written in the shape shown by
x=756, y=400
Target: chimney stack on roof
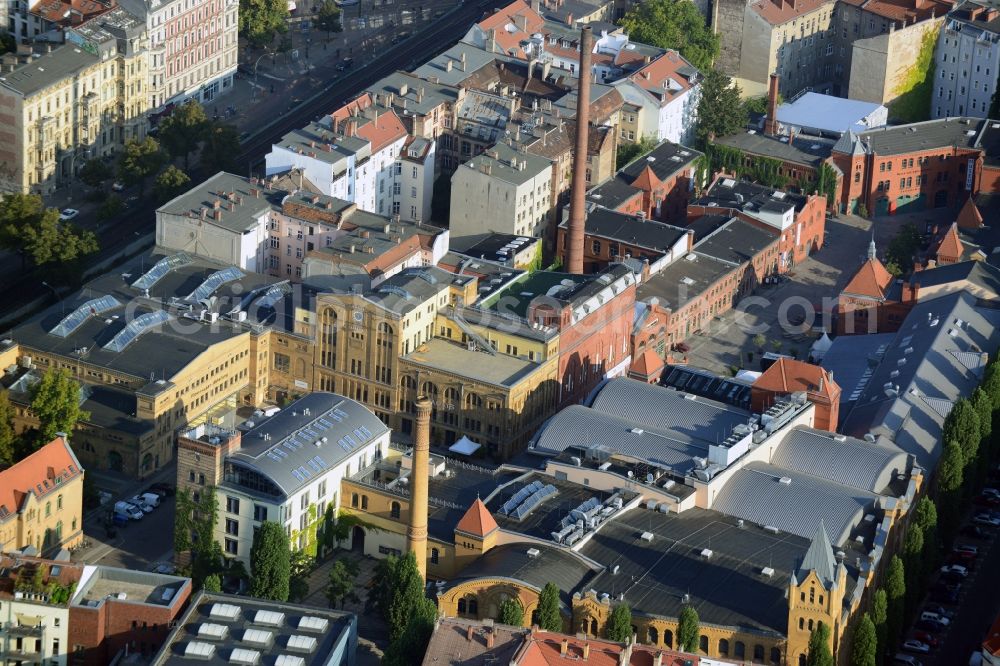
x=416, y=532
x=577, y=210
x=771, y=122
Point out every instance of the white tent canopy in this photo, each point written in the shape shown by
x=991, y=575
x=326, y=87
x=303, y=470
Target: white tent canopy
x=464, y=446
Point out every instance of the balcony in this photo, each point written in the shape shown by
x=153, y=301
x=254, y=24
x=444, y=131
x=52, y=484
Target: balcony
x=12, y=631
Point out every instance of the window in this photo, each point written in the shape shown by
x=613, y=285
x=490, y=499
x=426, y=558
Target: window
x=232, y=527
x=232, y=504
x=232, y=547
x=596, y=247
x=723, y=647
x=703, y=643
x=59, y=502
x=259, y=513
x=435, y=556
x=394, y=510
x=354, y=500
x=652, y=636
x=364, y=502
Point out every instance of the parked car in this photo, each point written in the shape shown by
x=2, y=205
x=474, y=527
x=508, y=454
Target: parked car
x=152, y=499
x=929, y=625
x=991, y=491
x=118, y=186
x=119, y=519
x=975, y=532
x=935, y=617
x=68, y=214
x=138, y=503
x=925, y=637
x=940, y=610
x=125, y=508
x=986, y=519
x=919, y=647
x=956, y=569
x=986, y=500
x=165, y=488
x=905, y=660
x=345, y=64
x=966, y=548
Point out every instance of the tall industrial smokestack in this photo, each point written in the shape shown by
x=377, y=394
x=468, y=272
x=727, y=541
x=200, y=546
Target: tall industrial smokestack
x=771, y=121
x=416, y=533
x=577, y=204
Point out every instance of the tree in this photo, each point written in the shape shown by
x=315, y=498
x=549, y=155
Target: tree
x=28, y=227
x=925, y=518
x=55, y=402
x=824, y=183
x=865, y=646
x=299, y=565
x=399, y=590
x=511, y=613
x=962, y=426
x=112, y=205
x=329, y=526
x=819, y=646
x=171, y=182
x=720, y=111
x=207, y=560
x=222, y=146
x=213, y=583
x=949, y=486
x=895, y=589
x=549, y=615
x=260, y=20
x=620, y=623
x=687, y=629
x=8, y=438
x=880, y=609
x=903, y=247
x=626, y=152
x=759, y=341
x=183, y=130
x=673, y=24
x=94, y=172
x=139, y=161
x=328, y=18
x=411, y=644
x=913, y=554
x=758, y=105
x=341, y=586
x=270, y=563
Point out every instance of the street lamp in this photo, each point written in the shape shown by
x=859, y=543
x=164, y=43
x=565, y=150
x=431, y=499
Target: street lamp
x=253, y=90
x=62, y=303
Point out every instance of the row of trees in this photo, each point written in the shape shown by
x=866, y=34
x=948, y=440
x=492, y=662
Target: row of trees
x=55, y=402
x=29, y=228
x=970, y=448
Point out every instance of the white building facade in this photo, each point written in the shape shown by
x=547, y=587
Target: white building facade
x=967, y=60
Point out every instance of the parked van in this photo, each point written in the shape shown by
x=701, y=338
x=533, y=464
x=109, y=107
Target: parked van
x=127, y=509
x=905, y=660
x=152, y=499
x=934, y=617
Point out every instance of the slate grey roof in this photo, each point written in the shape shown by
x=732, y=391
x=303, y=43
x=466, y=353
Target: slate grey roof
x=245, y=212
x=737, y=241
x=853, y=359
x=806, y=150
x=980, y=273
x=728, y=589
x=504, y=164
x=756, y=494
x=411, y=288
x=444, y=356
x=819, y=558
x=684, y=280
x=628, y=229
x=927, y=135
x=288, y=455
x=431, y=95
x=552, y=565
x=48, y=69
x=437, y=67
x=936, y=358
x=845, y=460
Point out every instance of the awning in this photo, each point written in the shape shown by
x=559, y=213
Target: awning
x=464, y=446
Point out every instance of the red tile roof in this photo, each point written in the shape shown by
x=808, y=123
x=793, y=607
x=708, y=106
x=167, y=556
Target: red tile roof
x=907, y=10
x=871, y=280
x=477, y=521
x=382, y=131
x=513, y=24
x=777, y=12
x=655, y=75
x=648, y=364
x=41, y=473
x=970, y=217
x=788, y=376
x=950, y=245
x=646, y=180
x=543, y=648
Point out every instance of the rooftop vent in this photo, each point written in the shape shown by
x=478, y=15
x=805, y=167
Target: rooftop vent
x=289, y=660
x=257, y=637
x=533, y=553
x=767, y=571
x=246, y=657
x=212, y=630
x=302, y=643
x=199, y=650
x=706, y=553
x=312, y=623
x=647, y=537
x=270, y=618
x=785, y=481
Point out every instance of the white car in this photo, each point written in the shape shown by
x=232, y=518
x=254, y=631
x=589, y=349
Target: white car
x=913, y=645
x=955, y=569
x=934, y=617
x=68, y=214
x=138, y=503
x=986, y=519
x=118, y=187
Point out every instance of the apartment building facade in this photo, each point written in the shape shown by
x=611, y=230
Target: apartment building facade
x=967, y=60
x=34, y=609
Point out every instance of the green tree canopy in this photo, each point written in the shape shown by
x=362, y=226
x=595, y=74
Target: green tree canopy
x=55, y=402
x=962, y=426
x=411, y=644
x=991, y=383
x=950, y=468
x=328, y=18
x=720, y=110
x=688, y=629
x=340, y=589
x=270, y=563
x=27, y=226
x=549, y=614
x=895, y=589
x=94, y=172
x=7, y=437
x=139, y=161
x=171, y=182
x=673, y=24
x=925, y=514
x=398, y=591
x=261, y=20
x=903, y=247
x=819, y=646
x=221, y=149
x=300, y=565
x=913, y=555
x=620, y=623
x=626, y=152
x=865, y=646
x=183, y=130
x=880, y=610
x=511, y=613
x=213, y=583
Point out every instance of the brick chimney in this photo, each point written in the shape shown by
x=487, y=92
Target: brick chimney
x=416, y=533
x=577, y=206
x=564, y=647
x=771, y=121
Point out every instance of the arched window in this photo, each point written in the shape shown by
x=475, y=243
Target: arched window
x=408, y=382
x=668, y=638
x=430, y=390
x=802, y=659
x=812, y=595
x=473, y=606
x=758, y=653
x=435, y=555
x=461, y=607
x=802, y=623
x=473, y=401
x=59, y=531
x=364, y=502
x=775, y=655
x=739, y=650
x=723, y=647
x=354, y=500
x=821, y=600
x=810, y=625
x=652, y=636
x=593, y=627
x=703, y=644
x=451, y=394
x=394, y=509
x=48, y=509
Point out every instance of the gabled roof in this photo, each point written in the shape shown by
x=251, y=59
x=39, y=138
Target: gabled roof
x=970, y=217
x=40, y=473
x=950, y=245
x=819, y=558
x=871, y=280
x=477, y=521
x=646, y=180
x=648, y=364
x=789, y=376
